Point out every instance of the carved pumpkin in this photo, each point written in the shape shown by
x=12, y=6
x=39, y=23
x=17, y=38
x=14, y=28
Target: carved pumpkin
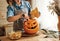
x=31, y=26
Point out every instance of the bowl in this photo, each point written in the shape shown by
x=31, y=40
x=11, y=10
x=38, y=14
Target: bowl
x=15, y=35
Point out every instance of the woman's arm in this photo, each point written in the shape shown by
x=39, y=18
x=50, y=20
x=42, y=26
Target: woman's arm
x=14, y=18
x=11, y=17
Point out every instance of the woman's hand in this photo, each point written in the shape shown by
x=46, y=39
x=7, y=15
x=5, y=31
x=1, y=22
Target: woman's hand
x=26, y=16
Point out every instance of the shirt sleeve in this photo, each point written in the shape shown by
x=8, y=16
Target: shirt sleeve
x=29, y=7
x=9, y=12
x=28, y=4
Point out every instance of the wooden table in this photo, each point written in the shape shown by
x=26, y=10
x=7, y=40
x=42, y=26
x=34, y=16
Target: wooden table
x=34, y=38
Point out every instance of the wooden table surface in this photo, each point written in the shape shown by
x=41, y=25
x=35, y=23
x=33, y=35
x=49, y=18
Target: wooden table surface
x=40, y=37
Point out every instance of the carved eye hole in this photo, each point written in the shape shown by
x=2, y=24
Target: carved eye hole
x=28, y=23
x=34, y=22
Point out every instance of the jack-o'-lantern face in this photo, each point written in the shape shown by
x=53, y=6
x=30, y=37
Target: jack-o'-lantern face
x=31, y=26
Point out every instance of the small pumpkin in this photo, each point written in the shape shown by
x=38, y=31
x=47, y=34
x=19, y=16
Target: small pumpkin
x=31, y=26
x=35, y=13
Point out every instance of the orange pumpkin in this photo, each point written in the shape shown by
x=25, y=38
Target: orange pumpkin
x=31, y=26
x=35, y=13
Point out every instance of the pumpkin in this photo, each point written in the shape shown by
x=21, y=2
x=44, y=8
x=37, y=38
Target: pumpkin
x=35, y=13
x=31, y=26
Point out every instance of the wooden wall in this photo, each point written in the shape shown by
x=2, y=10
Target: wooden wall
x=3, y=9
x=3, y=13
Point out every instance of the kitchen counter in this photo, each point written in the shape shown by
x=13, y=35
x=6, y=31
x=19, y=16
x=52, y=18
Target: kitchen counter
x=40, y=37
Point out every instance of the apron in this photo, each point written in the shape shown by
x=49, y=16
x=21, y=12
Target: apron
x=18, y=25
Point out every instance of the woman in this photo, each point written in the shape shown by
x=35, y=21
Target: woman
x=16, y=11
